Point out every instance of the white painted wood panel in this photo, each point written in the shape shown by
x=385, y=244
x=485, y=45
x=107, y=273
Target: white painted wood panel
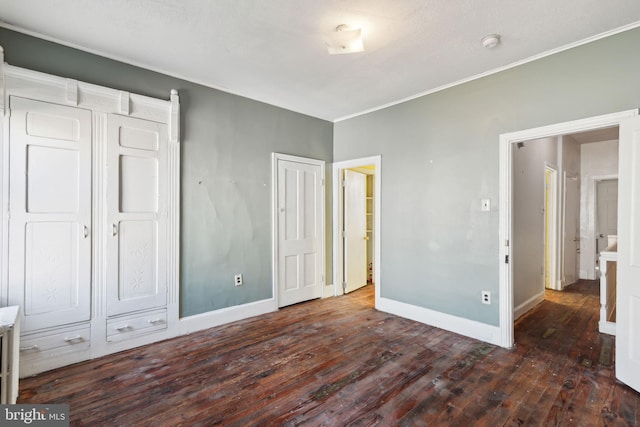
x=355, y=230
x=55, y=232
x=300, y=263
x=571, y=236
x=136, y=214
x=50, y=213
x=628, y=273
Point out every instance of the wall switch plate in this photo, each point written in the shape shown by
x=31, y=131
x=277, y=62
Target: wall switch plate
x=485, y=205
x=486, y=297
x=237, y=279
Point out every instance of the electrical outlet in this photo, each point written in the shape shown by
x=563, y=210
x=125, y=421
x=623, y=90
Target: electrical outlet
x=238, y=279
x=486, y=297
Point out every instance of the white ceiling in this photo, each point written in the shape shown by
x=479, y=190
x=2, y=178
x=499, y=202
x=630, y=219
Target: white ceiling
x=597, y=135
x=274, y=50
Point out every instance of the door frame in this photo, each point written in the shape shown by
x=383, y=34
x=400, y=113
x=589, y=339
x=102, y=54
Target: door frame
x=506, y=140
x=550, y=250
x=275, y=158
x=594, y=267
x=349, y=239
x=338, y=207
x=562, y=282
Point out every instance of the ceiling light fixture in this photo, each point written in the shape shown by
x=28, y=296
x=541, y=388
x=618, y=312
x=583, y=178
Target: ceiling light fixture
x=345, y=39
x=491, y=41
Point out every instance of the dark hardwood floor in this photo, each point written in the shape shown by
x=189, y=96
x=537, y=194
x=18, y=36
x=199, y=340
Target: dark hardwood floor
x=338, y=362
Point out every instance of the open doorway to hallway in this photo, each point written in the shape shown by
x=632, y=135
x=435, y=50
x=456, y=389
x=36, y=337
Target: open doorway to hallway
x=356, y=225
x=557, y=211
x=623, y=257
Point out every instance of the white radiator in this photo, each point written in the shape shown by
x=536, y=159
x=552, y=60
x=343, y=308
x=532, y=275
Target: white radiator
x=9, y=354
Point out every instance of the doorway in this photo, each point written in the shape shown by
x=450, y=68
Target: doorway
x=356, y=224
x=298, y=229
x=550, y=226
x=606, y=217
x=507, y=174
x=357, y=234
x=571, y=230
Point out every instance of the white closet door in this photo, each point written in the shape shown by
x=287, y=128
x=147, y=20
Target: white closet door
x=300, y=230
x=355, y=230
x=136, y=214
x=50, y=213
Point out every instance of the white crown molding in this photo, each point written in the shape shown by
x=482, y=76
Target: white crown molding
x=497, y=70
x=118, y=58
x=141, y=65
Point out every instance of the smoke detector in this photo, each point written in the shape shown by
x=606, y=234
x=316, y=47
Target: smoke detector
x=491, y=41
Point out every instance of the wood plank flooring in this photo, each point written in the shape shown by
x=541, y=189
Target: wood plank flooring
x=339, y=362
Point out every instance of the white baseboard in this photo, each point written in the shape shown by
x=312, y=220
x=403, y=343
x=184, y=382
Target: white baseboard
x=458, y=325
x=528, y=305
x=328, y=291
x=607, y=327
x=199, y=322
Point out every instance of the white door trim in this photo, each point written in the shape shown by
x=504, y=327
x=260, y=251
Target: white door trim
x=593, y=219
x=338, y=266
x=506, y=205
x=275, y=157
x=551, y=228
x=562, y=270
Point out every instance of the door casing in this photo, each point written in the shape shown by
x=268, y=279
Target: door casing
x=337, y=201
x=506, y=338
x=599, y=245
x=551, y=228
x=355, y=230
x=276, y=157
x=571, y=219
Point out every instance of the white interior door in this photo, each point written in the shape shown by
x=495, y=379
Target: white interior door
x=50, y=213
x=606, y=213
x=571, y=233
x=136, y=214
x=355, y=230
x=628, y=273
x=300, y=229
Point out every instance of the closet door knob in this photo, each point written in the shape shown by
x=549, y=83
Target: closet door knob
x=114, y=230
x=86, y=231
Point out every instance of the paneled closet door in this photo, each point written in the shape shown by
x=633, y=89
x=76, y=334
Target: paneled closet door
x=137, y=214
x=50, y=213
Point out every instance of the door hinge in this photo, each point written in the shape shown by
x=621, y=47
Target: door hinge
x=344, y=286
x=322, y=182
x=344, y=234
x=506, y=259
x=344, y=182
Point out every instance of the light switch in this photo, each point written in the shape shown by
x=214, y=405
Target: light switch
x=485, y=205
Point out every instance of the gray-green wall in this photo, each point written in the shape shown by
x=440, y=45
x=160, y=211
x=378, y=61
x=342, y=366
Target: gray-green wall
x=227, y=143
x=440, y=157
